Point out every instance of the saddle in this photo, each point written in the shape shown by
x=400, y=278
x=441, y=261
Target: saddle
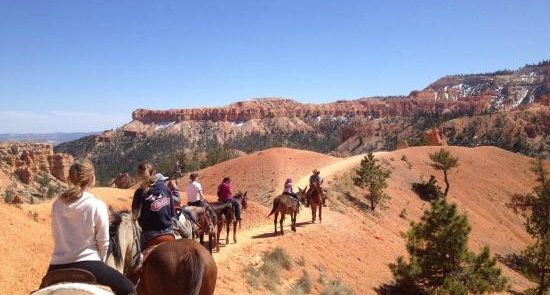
x=154, y=243
x=67, y=275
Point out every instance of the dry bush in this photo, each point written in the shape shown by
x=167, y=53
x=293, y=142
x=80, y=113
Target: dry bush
x=269, y=274
x=336, y=287
x=302, y=286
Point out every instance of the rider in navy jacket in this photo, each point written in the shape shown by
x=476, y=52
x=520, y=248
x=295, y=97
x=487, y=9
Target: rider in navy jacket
x=156, y=208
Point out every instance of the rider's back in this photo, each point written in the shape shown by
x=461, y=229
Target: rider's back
x=78, y=230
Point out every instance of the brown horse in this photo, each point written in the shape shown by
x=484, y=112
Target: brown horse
x=285, y=204
x=205, y=225
x=226, y=216
x=314, y=199
x=176, y=267
x=179, y=267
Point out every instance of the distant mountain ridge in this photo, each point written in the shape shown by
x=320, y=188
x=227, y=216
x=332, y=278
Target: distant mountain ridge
x=520, y=98
x=51, y=138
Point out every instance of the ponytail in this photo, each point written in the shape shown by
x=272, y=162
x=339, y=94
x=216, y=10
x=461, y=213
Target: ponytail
x=81, y=175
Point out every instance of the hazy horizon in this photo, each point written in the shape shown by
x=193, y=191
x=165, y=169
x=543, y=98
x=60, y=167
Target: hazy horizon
x=71, y=66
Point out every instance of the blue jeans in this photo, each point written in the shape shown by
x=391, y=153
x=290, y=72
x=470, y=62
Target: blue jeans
x=148, y=235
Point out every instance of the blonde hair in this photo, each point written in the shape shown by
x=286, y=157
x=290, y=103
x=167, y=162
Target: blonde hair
x=145, y=172
x=81, y=175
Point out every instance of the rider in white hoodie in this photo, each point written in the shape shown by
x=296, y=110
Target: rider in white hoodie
x=80, y=228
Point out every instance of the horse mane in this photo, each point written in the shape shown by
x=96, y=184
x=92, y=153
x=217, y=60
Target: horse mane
x=114, y=243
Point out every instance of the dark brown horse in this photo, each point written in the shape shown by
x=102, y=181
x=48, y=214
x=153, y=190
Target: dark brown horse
x=175, y=267
x=314, y=199
x=285, y=204
x=226, y=217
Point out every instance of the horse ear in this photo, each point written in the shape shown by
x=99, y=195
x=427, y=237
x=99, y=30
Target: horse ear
x=245, y=192
x=299, y=189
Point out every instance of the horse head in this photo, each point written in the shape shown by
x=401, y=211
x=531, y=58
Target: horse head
x=302, y=194
x=124, y=251
x=243, y=199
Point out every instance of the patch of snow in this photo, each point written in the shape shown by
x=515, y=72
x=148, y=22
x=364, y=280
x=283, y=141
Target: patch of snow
x=164, y=125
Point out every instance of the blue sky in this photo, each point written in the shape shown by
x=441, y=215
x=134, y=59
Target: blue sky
x=85, y=65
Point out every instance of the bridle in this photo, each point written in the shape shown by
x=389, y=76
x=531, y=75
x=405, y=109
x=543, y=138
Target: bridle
x=137, y=257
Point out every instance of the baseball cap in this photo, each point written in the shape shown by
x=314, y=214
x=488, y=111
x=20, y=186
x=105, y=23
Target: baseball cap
x=159, y=176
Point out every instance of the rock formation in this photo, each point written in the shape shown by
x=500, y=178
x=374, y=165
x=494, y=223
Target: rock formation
x=27, y=160
x=123, y=180
x=59, y=165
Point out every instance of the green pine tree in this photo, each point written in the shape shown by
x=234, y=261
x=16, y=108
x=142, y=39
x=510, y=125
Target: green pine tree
x=535, y=207
x=372, y=176
x=440, y=262
x=443, y=161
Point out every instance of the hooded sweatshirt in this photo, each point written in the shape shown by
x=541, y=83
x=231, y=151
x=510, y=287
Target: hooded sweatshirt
x=157, y=207
x=80, y=230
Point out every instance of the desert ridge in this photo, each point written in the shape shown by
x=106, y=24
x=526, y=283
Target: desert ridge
x=350, y=245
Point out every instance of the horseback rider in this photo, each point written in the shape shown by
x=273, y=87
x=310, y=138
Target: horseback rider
x=155, y=206
x=80, y=229
x=288, y=190
x=176, y=196
x=315, y=182
x=195, y=196
x=226, y=195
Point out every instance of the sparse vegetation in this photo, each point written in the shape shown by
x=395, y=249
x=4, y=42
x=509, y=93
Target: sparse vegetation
x=33, y=215
x=302, y=286
x=535, y=208
x=429, y=190
x=372, y=176
x=403, y=214
x=9, y=195
x=442, y=160
x=43, y=180
x=336, y=287
x=269, y=273
x=440, y=262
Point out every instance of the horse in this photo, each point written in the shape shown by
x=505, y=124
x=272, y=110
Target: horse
x=183, y=227
x=226, y=216
x=314, y=199
x=176, y=267
x=285, y=204
x=206, y=225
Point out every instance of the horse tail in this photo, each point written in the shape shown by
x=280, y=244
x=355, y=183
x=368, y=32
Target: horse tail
x=275, y=203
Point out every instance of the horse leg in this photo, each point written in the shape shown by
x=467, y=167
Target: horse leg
x=228, y=224
x=293, y=220
x=235, y=231
x=219, y=231
x=281, y=223
x=320, y=213
x=313, y=213
x=275, y=220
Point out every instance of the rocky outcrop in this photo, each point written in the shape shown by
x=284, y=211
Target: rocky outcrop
x=434, y=136
x=26, y=160
x=123, y=180
x=504, y=89
x=59, y=165
x=25, y=174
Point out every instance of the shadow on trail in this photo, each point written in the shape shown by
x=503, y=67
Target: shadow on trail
x=263, y=236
